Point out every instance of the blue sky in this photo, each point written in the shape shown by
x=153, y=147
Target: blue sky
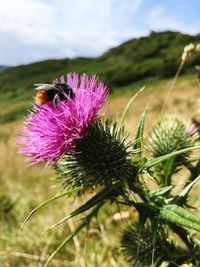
x=32, y=30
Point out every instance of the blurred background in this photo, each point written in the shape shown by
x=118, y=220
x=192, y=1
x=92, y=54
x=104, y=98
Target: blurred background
x=128, y=44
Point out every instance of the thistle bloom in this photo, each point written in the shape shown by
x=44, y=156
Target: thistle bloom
x=192, y=129
x=50, y=132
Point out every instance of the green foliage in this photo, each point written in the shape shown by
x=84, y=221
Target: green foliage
x=61, y=195
x=122, y=172
x=14, y=114
x=84, y=222
x=106, y=163
x=140, y=249
x=139, y=139
x=174, y=214
x=2, y=68
x=123, y=116
x=138, y=59
x=6, y=208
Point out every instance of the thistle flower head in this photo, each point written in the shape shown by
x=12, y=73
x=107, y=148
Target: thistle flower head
x=104, y=159
x=50, y=132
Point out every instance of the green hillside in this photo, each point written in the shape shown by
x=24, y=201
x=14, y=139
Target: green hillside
x=2, y=67
x=156, y=56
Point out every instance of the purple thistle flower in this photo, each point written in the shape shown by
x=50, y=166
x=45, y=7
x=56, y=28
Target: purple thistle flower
x=192, y=129
x=48, y=133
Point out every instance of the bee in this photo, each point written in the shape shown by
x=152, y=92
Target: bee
x=56, y=91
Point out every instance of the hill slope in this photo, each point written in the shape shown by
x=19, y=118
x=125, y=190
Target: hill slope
x=2, y=67
x=157, y=55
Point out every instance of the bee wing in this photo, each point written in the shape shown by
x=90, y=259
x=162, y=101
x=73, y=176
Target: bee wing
x=55, y=101
x=43, y=86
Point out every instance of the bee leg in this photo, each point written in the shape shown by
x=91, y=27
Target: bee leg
x=55, y=101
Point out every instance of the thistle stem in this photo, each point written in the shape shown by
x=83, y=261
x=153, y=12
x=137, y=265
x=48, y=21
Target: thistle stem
x=172, y=85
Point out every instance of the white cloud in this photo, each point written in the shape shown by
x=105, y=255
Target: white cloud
x=158, y=20
x=32, y=30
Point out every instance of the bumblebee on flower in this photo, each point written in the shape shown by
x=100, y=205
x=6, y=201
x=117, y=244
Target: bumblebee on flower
x=69, y=134
x=48, y=132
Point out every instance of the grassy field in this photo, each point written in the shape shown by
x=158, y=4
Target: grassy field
x=25, y=187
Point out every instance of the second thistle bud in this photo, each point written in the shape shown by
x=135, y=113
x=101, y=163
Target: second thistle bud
x=170, y=135
x=167, y=136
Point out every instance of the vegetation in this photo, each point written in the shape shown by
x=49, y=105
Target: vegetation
x=157, y=55
x=2, y=68
x=27, y=186
x=23, y=187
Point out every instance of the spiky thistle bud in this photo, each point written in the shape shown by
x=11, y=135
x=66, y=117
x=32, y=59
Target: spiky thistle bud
x=140, y=250
x=102, y=158
x=167, y=136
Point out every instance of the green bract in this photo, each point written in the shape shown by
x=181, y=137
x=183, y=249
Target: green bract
x=102, y=158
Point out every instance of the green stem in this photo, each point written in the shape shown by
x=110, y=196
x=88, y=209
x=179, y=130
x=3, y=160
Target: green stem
x=168, y=170
x=84, y=222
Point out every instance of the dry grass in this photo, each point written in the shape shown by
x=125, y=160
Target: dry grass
x=27, y=186
x=183, y=102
